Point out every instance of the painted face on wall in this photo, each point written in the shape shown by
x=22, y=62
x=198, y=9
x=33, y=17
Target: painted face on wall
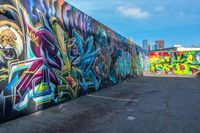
x=11, y=45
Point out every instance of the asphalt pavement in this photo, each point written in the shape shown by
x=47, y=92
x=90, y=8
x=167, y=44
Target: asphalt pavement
x=151, y=104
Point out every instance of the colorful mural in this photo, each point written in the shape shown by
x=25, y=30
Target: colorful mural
x=179, y=62
x=51, y=52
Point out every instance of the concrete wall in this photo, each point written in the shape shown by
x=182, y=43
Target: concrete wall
x=51, y=52
x=179, y=63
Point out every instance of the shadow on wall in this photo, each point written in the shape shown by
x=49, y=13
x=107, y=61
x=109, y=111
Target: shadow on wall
x=52, y=52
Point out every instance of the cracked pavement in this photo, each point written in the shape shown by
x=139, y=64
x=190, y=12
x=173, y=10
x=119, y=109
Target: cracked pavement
x=152, y=104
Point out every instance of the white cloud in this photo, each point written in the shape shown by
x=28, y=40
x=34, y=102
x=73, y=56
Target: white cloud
x=133, y=12
x=160, y=9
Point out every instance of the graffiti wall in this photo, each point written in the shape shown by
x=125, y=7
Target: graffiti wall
x=51, y=52
x=180, y=62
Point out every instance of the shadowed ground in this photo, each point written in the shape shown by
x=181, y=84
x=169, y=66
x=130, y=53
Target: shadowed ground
x=151, y=104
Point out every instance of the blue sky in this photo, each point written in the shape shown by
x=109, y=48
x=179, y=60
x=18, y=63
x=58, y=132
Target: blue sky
x=175, y=21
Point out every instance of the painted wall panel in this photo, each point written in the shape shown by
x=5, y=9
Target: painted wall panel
x=175, y=62
x=51, y=52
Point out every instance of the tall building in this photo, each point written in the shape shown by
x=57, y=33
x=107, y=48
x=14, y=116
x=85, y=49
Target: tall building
x=149, y=47
x=160, y=43
x=145, y=45
x=155, y=47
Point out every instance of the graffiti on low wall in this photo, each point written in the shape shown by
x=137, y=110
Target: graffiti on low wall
x=179, y=62
x=51, y=52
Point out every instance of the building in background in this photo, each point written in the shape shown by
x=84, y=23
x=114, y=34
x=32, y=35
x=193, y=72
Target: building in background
x=160, y=43
x=145, y=44
x=177, y=46
x=155, y=47
x=149, y=47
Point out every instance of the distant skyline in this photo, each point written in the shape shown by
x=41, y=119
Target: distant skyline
x=175, y=21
